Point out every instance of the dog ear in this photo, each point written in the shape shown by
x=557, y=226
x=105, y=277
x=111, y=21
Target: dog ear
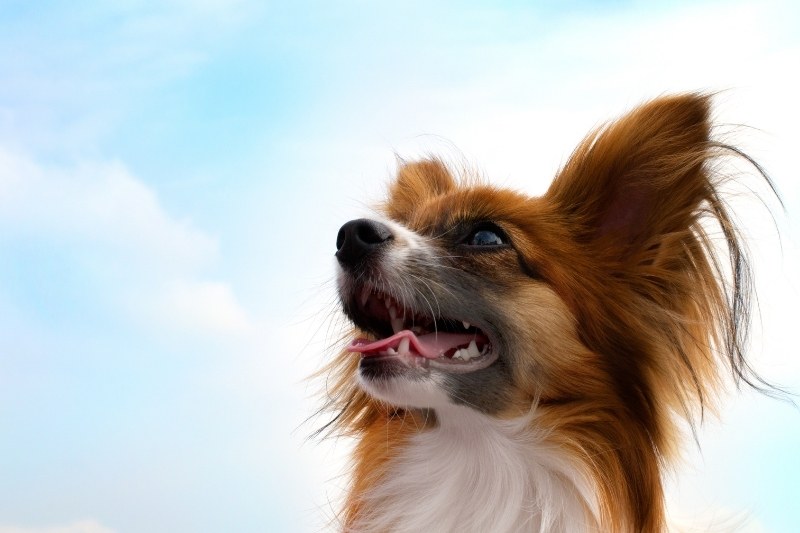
x=416, y=182
x=640, y=177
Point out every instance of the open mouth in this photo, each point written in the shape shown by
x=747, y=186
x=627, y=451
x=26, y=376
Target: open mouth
x=415, y=338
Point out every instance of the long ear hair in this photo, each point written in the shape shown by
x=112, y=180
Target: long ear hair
x=665, y=304
x=641, y=194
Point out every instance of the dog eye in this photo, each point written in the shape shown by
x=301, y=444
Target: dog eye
x=486, y=235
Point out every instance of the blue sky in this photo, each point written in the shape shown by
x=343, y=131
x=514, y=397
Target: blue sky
x=172, y=177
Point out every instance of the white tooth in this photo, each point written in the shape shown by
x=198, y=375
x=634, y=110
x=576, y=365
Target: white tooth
x=391, y=351
x=364, y=296
x=403, y=347
x=457, y=355
x=397, y=322
x=463, y=354
x=466, y=324
x=473, y=349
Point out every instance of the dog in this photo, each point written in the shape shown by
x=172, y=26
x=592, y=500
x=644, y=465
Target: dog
x=528, y=363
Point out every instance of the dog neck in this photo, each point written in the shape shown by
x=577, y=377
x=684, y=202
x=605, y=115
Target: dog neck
x=473, y=472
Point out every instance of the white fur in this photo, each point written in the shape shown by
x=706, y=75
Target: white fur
x=401, y=392
x=476, y=473
x=404, y=237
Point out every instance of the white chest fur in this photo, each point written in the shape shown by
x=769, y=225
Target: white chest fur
x=476, y=473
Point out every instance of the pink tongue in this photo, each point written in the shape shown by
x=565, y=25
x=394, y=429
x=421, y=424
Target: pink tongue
x=430, y=345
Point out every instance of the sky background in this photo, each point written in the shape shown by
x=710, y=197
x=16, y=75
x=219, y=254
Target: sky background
x=172, y=178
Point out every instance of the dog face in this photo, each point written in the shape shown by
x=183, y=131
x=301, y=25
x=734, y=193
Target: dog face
x=450, y=285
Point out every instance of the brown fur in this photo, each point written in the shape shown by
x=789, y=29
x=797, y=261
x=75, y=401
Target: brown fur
x=620, y=288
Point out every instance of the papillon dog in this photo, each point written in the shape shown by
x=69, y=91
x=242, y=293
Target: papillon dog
x=525, y=363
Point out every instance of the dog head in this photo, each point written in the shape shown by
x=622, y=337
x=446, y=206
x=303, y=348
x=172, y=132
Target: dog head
x=604, y=286
x=604, y=306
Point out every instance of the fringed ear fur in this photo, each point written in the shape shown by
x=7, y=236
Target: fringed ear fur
x=415, y=182
x=639, y=177
x=654, y=291
x=638, y=196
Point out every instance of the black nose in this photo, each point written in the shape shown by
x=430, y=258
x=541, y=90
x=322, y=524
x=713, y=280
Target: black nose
x=359, y=238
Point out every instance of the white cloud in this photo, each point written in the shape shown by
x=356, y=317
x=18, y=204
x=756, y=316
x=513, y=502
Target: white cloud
x=199, y=305
x=100, y=204
x=84, y=526
x=115, y=224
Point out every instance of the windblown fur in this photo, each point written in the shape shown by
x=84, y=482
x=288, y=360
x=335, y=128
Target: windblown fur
x=620, y=313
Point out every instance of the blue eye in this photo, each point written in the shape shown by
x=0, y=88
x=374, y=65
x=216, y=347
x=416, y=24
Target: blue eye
x=485, y=237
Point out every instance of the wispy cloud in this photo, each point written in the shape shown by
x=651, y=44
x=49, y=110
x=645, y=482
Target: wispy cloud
x=114, y=226
x=81, y=69
x=198, y=306
x=97, y=204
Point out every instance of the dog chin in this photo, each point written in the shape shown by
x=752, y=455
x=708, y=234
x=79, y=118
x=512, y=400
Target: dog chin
x=404, y=391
